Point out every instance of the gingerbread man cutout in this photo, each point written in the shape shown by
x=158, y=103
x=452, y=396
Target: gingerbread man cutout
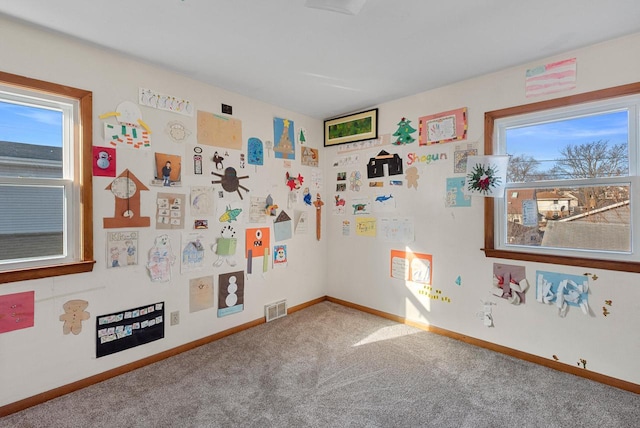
x=74, y=315
x=412, y=178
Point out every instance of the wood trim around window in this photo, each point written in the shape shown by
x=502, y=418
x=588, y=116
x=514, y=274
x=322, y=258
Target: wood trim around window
x=489, y=233
x=84, y=178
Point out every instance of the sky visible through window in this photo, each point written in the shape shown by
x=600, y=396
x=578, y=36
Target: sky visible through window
x=30, y=125
x=544, y=141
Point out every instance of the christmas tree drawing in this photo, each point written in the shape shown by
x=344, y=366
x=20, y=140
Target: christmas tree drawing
x=404, y=132
x=283, y=134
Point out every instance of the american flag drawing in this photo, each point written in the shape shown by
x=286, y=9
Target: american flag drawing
x=549, y=78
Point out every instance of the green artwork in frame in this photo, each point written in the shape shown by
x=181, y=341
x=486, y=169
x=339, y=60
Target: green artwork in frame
x=351, y=128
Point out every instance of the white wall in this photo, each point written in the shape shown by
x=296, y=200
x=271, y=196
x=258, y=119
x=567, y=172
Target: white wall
x=359, y=266
x=38, y=359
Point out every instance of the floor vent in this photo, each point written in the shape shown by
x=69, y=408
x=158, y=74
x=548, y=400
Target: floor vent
x=275, y=310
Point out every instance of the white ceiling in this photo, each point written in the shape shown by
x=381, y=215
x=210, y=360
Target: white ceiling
x=325, y=64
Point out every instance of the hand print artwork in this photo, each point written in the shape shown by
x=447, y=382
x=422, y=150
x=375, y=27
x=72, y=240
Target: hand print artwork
x=486, y=176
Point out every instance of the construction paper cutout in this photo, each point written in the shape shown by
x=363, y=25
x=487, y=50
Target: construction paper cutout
x=404, y=132
x=225, y=247
x=302, y=136
x=104, y=161
x=219, y=131
x=280, y=256
x=230, y=293
x=459, y=280
x=563, y=290
x=255, y=151
x=282, y=227
x=257, y=241
x=318, y=204
x=168, y=170
x=284, y=140
x=126, y=188
x=384, y=202
x=118, y=331
x=153, y=99
x=376, y=165
x=410, y=266
x=200, y=293
x=161, y=258
x=366, y=226
x=293, y=183
x=16, y=311
x=126, y=136
x=486, y=176
x=170, y=211
x=412, y=177
x=176, y=131
x=455, y=196
x=443, y=127
x=306, y=196
x=122, y=249
x=309, y=157
x=230, y=181
x=74, y=314
x=339, y=205
x=192, y=252
x=510, y=283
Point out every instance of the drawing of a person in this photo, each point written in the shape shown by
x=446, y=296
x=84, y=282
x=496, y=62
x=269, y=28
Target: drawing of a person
x=131, y=253
x=115, y=254
x=166, y=173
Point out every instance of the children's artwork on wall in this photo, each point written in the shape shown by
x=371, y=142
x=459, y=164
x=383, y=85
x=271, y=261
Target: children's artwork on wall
x=346, y=228
x=197, y=160
x=17, y=311
x=202, y=201
x=122, y=249
x=460, y=156
x=258, y=209
x=341, y=187
x=443, y=127
x=293, y=182
x=486, y=176
x=384, y=202
x=177, y=131
x=382, y=140
x=104, y=161
x=309, y=157
x=225, y=247
x=376, y=166
x=201, y=224
x=127, y=329
x=192, y=252
x=361, y=206
x=404, y=132
x=455, y=196
x=219, y=131
x=280, y=256
x=302, y=136
x=318, y=204
x=200, y=293
x=257, y=241
x=605, y=310
x=410, y=266
x=377, y=184
x=355, y=181
x=345, y=161
x=255, y=151
x=126, y=136
x=433, y=294
x=74, y=314
x=283, y=137
x=161, y=258
x=306, y=196
x=510, y=283
x=268, y=145
x=562, y=291
x=154, y=99
x=232, y=211
x=230, y=181
x=366, y=226
x=396, y=229
x=126, y=188
x=271, y=208
x=170, y=211
x=218, y=161
x=412, y=177
x=300, y=220
x=282, y=227
x=339, y=205
x=230, y=293
x=167, y=170
x=550, y=78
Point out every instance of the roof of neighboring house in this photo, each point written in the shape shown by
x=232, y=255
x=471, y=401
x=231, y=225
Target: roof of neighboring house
x=601, y=210
x=554, y=196
x=30, y=151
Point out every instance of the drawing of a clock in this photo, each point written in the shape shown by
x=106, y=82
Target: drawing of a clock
x=123, y=187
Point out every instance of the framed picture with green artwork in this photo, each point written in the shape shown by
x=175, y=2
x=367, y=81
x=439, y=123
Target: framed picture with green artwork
x=354, y=127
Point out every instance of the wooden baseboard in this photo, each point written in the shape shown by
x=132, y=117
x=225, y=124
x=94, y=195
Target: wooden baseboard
x=567, y=368
x=83, y=383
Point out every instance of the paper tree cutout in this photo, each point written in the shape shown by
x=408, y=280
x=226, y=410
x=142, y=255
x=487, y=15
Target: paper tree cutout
x=404, y=132
x=284, y=140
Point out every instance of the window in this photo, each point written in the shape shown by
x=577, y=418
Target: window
x=45, y=179
x=573, y=170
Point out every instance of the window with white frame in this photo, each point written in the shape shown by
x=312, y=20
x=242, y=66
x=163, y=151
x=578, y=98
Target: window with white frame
x=45, y=179
x=572, y=174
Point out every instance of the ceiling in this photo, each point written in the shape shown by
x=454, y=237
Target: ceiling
x=326, y=64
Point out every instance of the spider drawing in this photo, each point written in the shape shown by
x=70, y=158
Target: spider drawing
x=230, y=181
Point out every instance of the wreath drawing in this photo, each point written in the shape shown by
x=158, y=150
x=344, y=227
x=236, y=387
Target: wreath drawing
x=483, y=178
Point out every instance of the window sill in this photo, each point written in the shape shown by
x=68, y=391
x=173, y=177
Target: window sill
x=616, y=265
x=46, y=271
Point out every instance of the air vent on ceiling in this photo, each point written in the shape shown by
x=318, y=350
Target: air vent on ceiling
x=275, y=310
